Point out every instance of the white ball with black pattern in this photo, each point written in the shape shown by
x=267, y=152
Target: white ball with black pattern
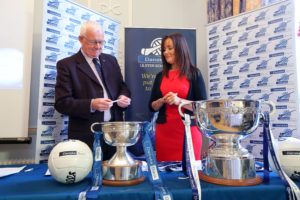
x=70, y=161
x=288, y=156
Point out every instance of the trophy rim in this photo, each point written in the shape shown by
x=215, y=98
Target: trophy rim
x=121, y=133
x=226, y=100
x=232, y=106
x=121, y=122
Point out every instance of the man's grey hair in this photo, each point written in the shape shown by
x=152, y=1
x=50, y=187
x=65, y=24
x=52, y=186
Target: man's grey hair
x=89, y=24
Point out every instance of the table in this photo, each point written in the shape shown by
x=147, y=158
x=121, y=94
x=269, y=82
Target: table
x=34, y=185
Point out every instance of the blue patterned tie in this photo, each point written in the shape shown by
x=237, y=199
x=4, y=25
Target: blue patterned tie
x=98, y=67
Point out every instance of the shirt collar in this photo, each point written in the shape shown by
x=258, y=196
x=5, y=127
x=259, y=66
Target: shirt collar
x=87, y=58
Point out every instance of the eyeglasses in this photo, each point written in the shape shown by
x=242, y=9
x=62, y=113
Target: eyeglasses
x=93, y=42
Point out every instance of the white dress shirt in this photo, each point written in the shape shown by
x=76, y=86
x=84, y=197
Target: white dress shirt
x=107, y=115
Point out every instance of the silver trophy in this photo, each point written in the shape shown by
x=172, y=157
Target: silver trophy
x=121, y=169
x=227, y=122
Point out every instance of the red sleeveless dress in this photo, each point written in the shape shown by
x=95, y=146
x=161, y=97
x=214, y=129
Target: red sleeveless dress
x=169, y=136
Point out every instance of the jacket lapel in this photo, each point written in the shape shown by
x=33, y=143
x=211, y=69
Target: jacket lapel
x=85, y=67
x=105, y=72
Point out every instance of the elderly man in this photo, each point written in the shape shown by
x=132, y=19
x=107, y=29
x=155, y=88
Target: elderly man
x=87, y=84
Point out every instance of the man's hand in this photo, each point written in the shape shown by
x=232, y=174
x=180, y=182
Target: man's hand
x=101, y=104
x=123, y=101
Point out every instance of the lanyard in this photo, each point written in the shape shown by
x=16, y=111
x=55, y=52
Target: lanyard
x=94, y=188
x=189, y=164
x=161, y=192
x=292, y=191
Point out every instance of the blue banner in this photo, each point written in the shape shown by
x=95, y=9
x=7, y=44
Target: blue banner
x=143, y=62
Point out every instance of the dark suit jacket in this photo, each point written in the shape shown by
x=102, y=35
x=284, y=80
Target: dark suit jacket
x=76, y=85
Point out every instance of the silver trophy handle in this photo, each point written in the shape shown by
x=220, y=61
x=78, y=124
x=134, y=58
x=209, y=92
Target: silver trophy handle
x=193, y=117
x=183, y=103
x=92, y=126
x=271, y=105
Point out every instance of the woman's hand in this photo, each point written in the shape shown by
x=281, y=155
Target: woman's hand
x=156, y=105
x=172, y=99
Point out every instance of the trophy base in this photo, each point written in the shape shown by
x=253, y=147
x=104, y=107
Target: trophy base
x=229, y=167
x=124, y=183
x=231, y=182
x=123, y=175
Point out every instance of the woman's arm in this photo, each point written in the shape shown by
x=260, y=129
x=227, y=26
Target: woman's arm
x=156, y=101
x=156, y=105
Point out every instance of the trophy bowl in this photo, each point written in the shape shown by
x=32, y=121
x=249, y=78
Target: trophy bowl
x=121, y=169
x=226, y=122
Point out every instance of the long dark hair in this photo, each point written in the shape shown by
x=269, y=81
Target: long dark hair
x=182, y=56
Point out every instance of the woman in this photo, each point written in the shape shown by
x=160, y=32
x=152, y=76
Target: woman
x=179, y=80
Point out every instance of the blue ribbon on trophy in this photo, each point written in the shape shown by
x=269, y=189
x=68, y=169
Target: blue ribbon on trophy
x=265, y=151
x=189, y=164
x=94, y=188
x=292, y=191
x=161, y=192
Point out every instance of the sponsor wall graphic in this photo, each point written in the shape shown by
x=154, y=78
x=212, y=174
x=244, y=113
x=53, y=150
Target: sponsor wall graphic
x=60, y=29
x=252, y=56
x=143, y=62
x=297, y=35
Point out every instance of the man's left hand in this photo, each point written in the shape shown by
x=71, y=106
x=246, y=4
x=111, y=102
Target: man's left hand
x=124, y=101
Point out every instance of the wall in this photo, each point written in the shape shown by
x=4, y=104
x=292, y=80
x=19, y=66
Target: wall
x=16, y=33
x=15, y=66
x=131, y=13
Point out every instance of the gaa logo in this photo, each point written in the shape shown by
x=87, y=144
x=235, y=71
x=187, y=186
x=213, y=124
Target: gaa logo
x=214, y=87
x=243, y=37
x=154, y=49
x=213, y=44
x=214, y=72
x=227, y=40
x=228, y=70
x=263, y=81
x=228, y=85
x=53, y=21
x=214, y=58
x=245, y=84
x=281, y=10
x=261, y=16
x=53, y=39
x=227, y=26
x=213, y=30
x=228, y=55
x=71, y=10
x=284, y=79
x=53, y=4
x=243, y=22
x=245, y=68
x=52, y=57
x=86, y=16
x=261, y=32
